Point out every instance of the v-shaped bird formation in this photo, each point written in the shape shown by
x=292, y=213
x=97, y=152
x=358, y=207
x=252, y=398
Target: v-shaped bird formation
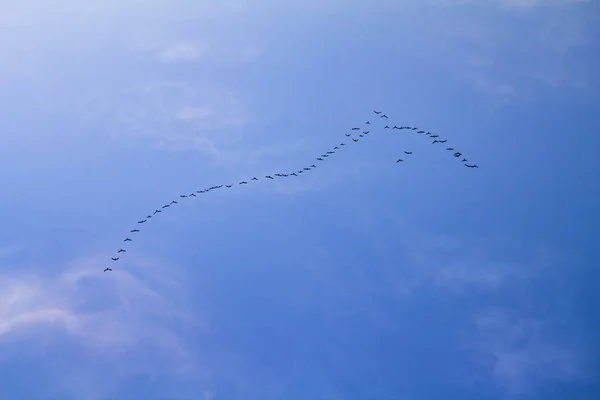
x=361, y=135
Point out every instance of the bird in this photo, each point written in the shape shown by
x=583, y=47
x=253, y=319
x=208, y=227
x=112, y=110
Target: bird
x=228, y=185
x=157, y=211
x=420, y=131
x=269, y=176
x=366, y=132
x=107, y=269
x=384, y=116
x=361, y=135
x=356, y=140
x=313, y=166
x=121, y=251
x=142, y=221
x=173, y=202
x=134, y=230
x=243, y=182
x=399, y=160
x=356, y=129
x=367, y=123
x=148, y=216
x=450, y=148
x=192, y=194
x=457, y=154
x=114, y=259
x=166, y=205
x=443, y=141
x=471, y=166
x=435, y=141
x=255, y=179
x=348, y=134
x=434, y=136
x=319, y=158
x=414, y=129
x=464, y=160
x=408, y=152
x=293, y=173
x=342, y=144
x=395, y=127
x=127, y=240
x=386, y=127
x=182, y=195
x=336, y=148
x=377, y=112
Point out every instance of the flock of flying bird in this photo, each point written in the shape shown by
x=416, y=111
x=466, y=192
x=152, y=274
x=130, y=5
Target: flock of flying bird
x=360, y=135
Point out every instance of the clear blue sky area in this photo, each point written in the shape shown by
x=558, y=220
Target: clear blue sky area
x=363, y=278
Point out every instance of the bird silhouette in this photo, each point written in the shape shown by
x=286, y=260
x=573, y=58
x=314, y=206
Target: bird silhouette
x=107, y=269
x=321, y=158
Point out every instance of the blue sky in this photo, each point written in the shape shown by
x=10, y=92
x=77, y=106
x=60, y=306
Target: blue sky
x=363, y=279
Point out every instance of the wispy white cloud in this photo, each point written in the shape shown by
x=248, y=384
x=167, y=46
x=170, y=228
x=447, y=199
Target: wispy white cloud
x=504, y=48
x=121, y=317
x=182, y=116
x=525, y=353
x=534, y=3
x=182, y=51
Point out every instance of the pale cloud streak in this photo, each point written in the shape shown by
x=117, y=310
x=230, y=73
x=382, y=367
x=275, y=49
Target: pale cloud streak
x=182, y=51
x=524, y=352
x=123, y=318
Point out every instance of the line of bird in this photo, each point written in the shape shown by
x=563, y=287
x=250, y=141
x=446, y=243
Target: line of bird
x=363, y=133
